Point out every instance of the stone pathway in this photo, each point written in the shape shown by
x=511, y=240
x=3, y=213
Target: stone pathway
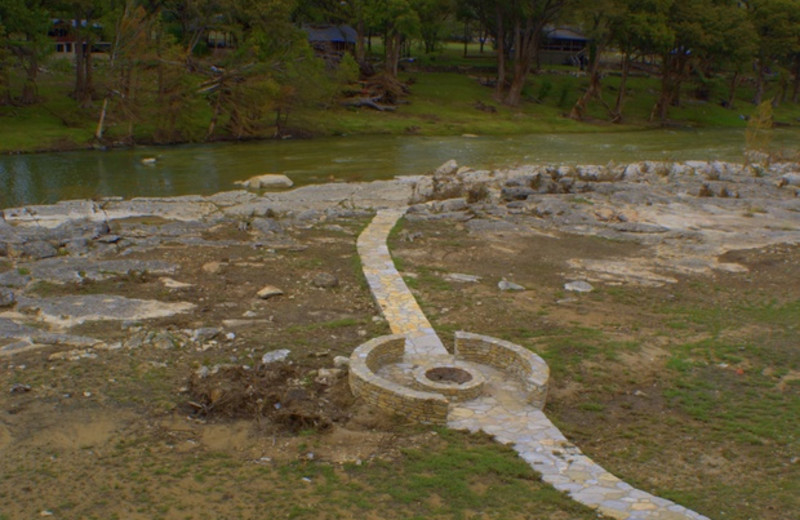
x=391, y=293
x=502, y=411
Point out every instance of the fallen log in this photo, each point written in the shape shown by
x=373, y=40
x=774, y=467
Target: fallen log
x=369, y=103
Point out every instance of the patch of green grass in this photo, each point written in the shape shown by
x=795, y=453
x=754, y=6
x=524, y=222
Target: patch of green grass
x=331, y=325
x=592, y=407
x=569, y=346
x=735, y=386
x=465, y=476
x=715, y=318
x=581, y=200
x=432, y=280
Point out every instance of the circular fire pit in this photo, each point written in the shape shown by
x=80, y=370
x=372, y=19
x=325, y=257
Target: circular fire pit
x=457, y=381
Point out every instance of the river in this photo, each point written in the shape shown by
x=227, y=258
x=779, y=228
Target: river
x=210, y=168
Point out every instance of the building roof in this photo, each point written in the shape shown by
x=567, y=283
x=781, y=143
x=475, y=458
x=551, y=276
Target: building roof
x=331, y=33
x=74, y=23
x=564, y=33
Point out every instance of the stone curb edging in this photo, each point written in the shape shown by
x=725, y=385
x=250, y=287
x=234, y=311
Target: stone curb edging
x=417, y=405
x=531, y=369
x=432, y=407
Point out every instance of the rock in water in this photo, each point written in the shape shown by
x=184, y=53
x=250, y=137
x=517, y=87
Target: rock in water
x=448, y=168
x=268, y=180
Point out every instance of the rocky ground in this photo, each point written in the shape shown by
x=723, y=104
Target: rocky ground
x=136, y=331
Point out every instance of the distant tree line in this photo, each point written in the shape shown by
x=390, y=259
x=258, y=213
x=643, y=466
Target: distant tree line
x=688, y=38
x=159, y=66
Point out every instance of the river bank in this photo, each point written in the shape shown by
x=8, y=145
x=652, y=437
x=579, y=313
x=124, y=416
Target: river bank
x=114, y=309
x=208, y=169
x=438, y=104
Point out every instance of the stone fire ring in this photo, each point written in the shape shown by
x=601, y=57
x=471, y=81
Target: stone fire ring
x=458, y=381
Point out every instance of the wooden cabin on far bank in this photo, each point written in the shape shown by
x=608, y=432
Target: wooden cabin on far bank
x=331, y=42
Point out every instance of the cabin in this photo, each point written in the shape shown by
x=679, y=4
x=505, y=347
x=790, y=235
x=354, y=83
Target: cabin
x=563, y=46
x=331, y=40
x=62, y=33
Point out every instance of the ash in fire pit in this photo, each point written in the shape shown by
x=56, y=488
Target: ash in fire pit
x=458, y=381
x=449, y=375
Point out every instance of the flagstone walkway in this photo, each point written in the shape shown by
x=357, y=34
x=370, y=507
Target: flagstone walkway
x=391, y=293
x=502, y=411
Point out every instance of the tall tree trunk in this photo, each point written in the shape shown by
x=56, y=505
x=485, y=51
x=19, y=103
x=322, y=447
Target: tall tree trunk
x=392, y=44
x=5, y=90
x=80, y=79
x=360, y=50
x=734, y=84
x=88, y=73
x=500, y=42
x=784, y=89
x=31, y=71
x=579, y=109
x=466, y=36
x=681, y=72
x=661, y=108
x=398, y=45
x=796, y=82
x=388, y=52
x=623, y=84
x=83, y=59
x=159, y=67
x=759, y=95
x=212, y=125
x=526, y=42
x=101, y=121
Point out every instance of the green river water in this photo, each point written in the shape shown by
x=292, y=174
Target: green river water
x=206, y=169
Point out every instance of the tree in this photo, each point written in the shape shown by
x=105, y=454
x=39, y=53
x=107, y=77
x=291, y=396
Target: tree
x=527, y=20
x=131, y=43
x=397, y=21
x=432, y=16
x=494, y=16
x=83, y=16
x=597, y=21
x=5, y=65
x=642, y=29
x=272, y=70
x=190, y=21
x=729, y=46
x=25, y=37
x=777, y=25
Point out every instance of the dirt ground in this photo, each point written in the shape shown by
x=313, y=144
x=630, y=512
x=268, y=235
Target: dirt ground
x=139, y=432
x=688, y=390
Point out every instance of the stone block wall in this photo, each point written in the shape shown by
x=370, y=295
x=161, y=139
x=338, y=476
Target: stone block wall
x=367, y=359
x=509, y=357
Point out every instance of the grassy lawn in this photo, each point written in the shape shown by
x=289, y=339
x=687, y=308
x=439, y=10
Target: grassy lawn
x=446, y=98
x=690, y=391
